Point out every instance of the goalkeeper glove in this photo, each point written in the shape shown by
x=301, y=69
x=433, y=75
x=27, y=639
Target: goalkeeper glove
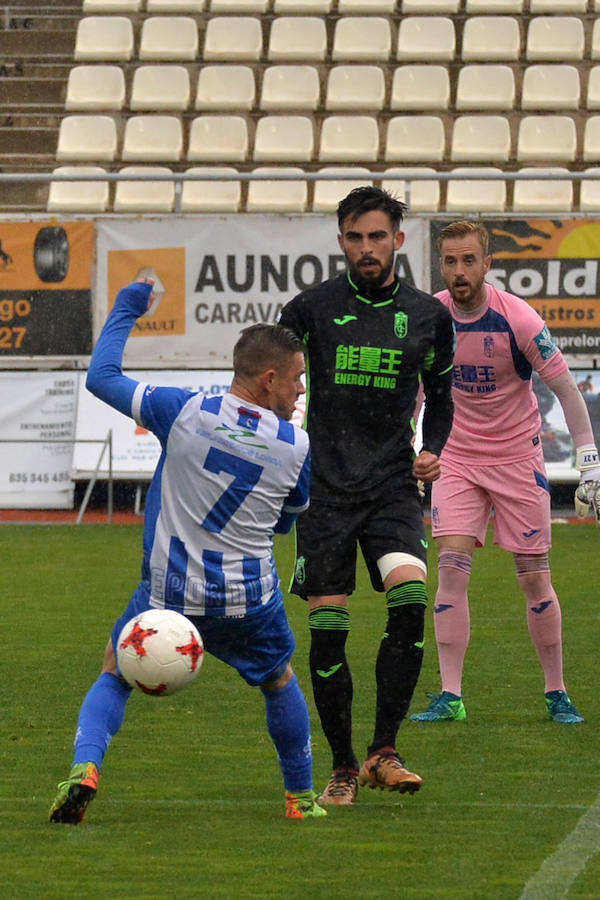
x=588, y=491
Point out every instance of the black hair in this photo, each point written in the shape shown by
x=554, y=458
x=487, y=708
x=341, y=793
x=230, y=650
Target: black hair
x=364, y=199
x=261, y=347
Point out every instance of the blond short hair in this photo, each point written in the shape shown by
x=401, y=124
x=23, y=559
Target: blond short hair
x=463, y=229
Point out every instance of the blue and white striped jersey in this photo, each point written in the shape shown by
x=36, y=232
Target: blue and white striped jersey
x=229, y=476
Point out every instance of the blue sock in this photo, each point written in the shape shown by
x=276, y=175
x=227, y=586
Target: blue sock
x=289, y=727
x=100, y=717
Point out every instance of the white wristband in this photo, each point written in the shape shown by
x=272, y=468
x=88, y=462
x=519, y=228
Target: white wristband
x=586, y=457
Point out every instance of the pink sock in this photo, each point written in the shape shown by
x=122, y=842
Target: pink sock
x=544, y=621
x=451, y=616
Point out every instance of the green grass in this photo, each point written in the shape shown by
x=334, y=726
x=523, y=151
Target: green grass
x=190, y=801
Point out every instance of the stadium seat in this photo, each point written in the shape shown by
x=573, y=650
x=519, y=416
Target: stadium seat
x=144, y=196
x=415, y=139
x=550, y=87
x=368, y=7
x=538, y=195
x=491, y=38
x=546, y=139
x=327, y=194
x=153, y=139
x=305, y=7
x=593, y=88
x=297, y=38
x=420, y=87
x=473, y=196
x=160, y=87
x=103, y=37
x=495, y=7
x=591, y=139
x=595, y=50
x=284, y=138
x=349, y=139
x=421, y=196
x=481, y=139
x=574, y=7
x=438, y=7
x=485, y=87
x=257, y=7
x=355, y=88
x=175, y=6
x=111, y=6
x=277, y=196
x=78, y=196
x=233, y=38
x=589, y=192
x=555, y=38
x=211, y=196
x=429, y=39
x=87, y=138
x=225, y=88
x=290, y=88
x=95, y=88
x=218, y=139
x=361, y=38
x=169, y=37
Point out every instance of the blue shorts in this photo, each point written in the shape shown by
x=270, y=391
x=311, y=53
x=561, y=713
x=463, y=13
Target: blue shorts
x=258, y=646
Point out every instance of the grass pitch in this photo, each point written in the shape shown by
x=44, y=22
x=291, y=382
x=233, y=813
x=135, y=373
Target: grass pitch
x=190, y=801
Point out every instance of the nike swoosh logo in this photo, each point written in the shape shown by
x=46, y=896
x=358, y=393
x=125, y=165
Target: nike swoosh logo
x=541, y=607
x=345, y=319
x=530, y=533
x=325, y=673
x=419, y=644
x=424, y=544
x=442, y=606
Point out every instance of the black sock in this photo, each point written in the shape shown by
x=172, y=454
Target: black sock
x=332, y=681
x=399, y=660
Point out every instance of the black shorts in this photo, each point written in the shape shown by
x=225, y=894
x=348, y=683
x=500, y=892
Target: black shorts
x=328, y=535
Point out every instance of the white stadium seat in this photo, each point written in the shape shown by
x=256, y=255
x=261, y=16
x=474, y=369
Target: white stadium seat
x=539, y=195
x=95, y=87
x=355, y=88
x=420, y=87
x=277, y=196
x=160, y=87
x=104, y=38
x=482, y=87
x=421, y=196
x=153, y=138
x=361, y=38
x=293, y=87
x=169, y=38
x=223, y=87
x=546, y=139
x=284, y=138
x=415, y=139
x=591, y=139
x=78, y=196
x=550, y=87
x=211, y=196
x=87, y=139
x=144, y=196
x=428, y=39
x=491, y=38
x=589, y=196
x=555, y=38
x=474, y=196
x=481, y=139
x=218, y=139
x=349, y=139
x=297, y=38
x=175, y=6
x=327, y=194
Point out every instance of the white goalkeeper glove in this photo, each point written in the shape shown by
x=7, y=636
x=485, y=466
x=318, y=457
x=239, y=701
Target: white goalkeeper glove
x=588, y=491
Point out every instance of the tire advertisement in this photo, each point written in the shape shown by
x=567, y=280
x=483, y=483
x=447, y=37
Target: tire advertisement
x=45, y=289
x=216, y=275
x=554, y=264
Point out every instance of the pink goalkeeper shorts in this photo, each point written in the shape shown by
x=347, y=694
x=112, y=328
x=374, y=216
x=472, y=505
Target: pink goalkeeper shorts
x=518, y=493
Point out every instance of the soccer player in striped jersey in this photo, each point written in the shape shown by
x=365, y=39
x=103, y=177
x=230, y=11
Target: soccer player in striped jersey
x=371, y=337
x=493, y=460
x=233, y=470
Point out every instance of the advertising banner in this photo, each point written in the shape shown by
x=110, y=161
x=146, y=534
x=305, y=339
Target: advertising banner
x=554, y=265
x=135, y=450
x=215, y=275
x=38, y=413
x=45, y=289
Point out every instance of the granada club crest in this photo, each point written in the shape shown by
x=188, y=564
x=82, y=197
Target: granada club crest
x=400, y=324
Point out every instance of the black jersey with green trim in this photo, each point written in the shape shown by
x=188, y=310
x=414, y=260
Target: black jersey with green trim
x=364, y=360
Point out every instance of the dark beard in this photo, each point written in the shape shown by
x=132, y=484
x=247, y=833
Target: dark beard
x=370, y=287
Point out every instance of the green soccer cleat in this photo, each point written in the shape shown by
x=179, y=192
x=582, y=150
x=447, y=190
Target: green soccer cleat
x=561, y=709
x=75, y=794
x=444, y=707
x=303, y=805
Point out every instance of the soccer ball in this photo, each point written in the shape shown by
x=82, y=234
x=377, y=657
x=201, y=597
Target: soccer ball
x=160, y=652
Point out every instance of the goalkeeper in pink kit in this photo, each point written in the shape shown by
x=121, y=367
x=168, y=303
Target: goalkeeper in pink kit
x=493, y=460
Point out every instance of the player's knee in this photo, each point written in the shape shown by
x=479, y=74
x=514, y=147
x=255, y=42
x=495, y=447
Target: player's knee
x=390, y=562
x=406, y=603
x=452, y=558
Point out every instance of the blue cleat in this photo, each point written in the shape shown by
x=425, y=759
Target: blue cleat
x=444, y=707
x=560, y=709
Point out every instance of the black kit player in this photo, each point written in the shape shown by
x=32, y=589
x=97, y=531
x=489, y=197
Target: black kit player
x=371, y=338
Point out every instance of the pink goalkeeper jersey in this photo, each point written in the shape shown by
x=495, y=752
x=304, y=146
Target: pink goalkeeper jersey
x=496, y=416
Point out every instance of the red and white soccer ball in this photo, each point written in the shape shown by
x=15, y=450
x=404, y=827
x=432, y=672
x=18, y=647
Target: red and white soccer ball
x=160, y=652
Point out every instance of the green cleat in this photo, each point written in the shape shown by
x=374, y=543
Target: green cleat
x=75, y=794
x=561, y=709
x=444, y=707
x=303, y=805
